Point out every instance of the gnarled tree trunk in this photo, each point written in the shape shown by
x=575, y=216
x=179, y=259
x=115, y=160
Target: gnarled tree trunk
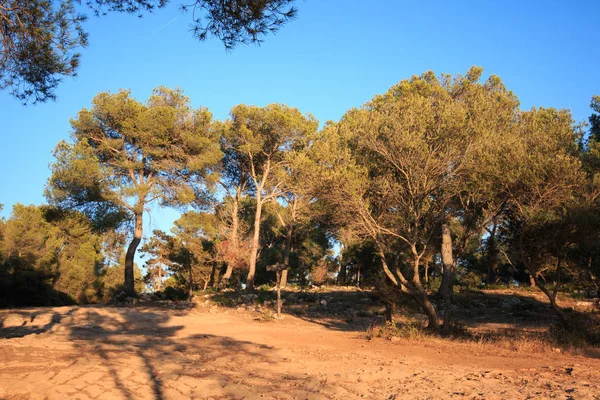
x=552, y=295
x=412, y=288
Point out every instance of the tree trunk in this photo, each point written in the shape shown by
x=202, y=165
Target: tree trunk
x=159, y=284
x=130, y=255
x=552, y=295
x=339, y=267
x=532, y=280
x=414, y=288
x=191, y=283
x=214, y=271
x=255, y=243
x=390, y=307
x=358, y=276
x=448, y=278
x=235, y=223
x=434, y=322
x=286, y=257
x=238, y=286
x=422, y=297
x=427, y=270
x=492, y=256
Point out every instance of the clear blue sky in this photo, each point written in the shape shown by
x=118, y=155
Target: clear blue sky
x=336, y=55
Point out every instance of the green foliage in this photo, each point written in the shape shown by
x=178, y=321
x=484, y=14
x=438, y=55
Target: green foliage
x=111, y=282
x=595, y=119
x=126, y=155
x=41, y=38
x=49, y=256
x=175, y=293
x=223, y=300
x=471, y=281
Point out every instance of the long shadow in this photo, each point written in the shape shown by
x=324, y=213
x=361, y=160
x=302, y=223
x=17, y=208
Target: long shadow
x=24, y=323
x=339, y=310
x=149, y=338
x=520, y=310
x=130, y=331
x=503, y=314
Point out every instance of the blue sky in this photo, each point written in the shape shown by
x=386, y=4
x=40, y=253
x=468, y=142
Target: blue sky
x=338, y=54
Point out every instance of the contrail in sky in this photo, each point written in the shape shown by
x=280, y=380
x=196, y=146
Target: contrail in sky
x=164, y=26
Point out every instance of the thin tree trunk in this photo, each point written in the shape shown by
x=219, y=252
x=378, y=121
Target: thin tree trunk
x=286, y=257
x=532, y=280
x=339, y=270
x=447, y=280
x=427, y=270
x=390, y=307
x=552, y=295
x=214, y=271
x=492, y=256
x=191, y=283
x=130, y=255
x=414, y=289
x=422, y=297
x=255, y=243
x=235, y=223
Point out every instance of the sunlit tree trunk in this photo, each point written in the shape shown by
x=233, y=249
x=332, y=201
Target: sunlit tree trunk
x=412, y=288
x=448, y=277
x=130, y=255
x=552, y=295
x=235, y=223
x=191, y=282
x=286, y=257
x=255, y=243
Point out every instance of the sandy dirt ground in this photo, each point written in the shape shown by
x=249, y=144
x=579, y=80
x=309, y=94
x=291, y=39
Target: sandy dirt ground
x=148, y=352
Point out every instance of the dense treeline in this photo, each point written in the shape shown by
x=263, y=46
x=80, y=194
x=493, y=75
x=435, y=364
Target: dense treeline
x=441, y=181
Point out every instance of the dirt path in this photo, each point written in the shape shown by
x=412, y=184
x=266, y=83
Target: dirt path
x=150, y=353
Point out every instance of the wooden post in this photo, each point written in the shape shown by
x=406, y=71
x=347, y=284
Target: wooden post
x=278, y=293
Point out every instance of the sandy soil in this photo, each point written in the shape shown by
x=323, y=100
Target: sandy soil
x=148, y=352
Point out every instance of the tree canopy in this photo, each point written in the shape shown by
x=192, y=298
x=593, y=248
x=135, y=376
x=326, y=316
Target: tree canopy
x=126, y=155
x=40, y=40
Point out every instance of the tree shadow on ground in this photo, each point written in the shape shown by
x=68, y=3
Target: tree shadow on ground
x=146, y=354
x=515, y=310
x=351, y=310
x=18, y=324
x=500, y=314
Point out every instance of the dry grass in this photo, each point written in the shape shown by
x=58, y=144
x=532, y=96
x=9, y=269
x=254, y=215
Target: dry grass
x=557, y=339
